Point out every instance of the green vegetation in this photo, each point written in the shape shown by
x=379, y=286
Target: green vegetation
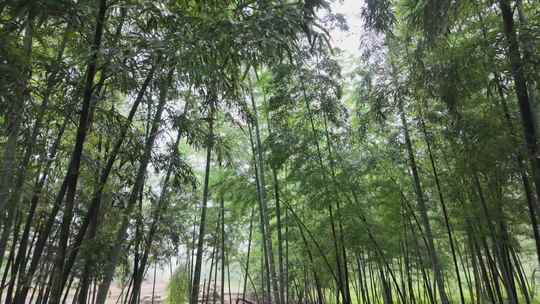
x=177, y=289
x=234, y=138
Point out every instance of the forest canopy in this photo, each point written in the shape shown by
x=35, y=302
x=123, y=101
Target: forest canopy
x=232, y=151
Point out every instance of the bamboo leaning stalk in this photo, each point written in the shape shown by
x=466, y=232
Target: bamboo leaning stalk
x=202, y=227
x=244, y=285
x=434, y=259
x=13, y=126
x=222, y=250
x=531, y=199
x=445, y=212
x=72, y=175
x=530, y=133
x=69, y=184
x=265, y=265
x=14, y=200
x=340, y=271
x=275, y=182
x=275, y=296
x=137, y=187
x=160, y=208
x=8, y=195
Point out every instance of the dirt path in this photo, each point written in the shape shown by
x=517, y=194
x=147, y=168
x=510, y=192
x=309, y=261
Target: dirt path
x=232, y=298
x=146, y=292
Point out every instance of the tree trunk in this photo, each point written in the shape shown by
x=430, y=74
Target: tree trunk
x=73, y=171
x=434, y=259
x=222, y=234
x=14, y=200
x=136, y=189
x=202, y=227
x=160, y=208
x=499, y=245
x=22, y=254
x=527, y=43
x=69, y=184
x=529, y=195
x=445, y=212
x=265, y=265
x=244, y=288
x=14, y=121
x=274, y=294
x=522, y=93
x=280, y=237
x=340, y=271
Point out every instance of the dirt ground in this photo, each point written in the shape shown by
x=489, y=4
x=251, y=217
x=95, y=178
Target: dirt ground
x=146, y=292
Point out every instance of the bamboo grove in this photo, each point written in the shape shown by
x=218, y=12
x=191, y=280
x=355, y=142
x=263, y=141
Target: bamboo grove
x=234, y=145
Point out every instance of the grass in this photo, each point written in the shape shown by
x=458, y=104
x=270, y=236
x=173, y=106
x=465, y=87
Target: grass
x=177, y=289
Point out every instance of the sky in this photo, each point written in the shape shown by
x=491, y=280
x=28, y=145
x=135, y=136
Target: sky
x=348, y=41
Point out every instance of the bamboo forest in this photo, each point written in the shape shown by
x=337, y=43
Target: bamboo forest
x=269, y=151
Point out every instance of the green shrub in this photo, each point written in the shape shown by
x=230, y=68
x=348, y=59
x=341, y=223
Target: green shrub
x=177, y=289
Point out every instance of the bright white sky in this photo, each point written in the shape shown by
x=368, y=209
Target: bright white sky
x=348, y=41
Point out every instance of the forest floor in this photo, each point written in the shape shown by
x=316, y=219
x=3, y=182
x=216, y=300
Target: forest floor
x=146, y=293
x=160, y=292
